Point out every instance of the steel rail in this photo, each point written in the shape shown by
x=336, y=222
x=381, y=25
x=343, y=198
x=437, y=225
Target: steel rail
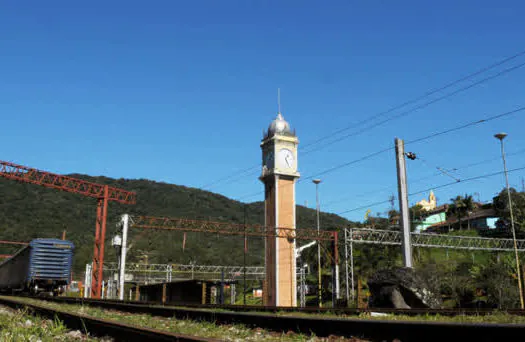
x=307, y=310
x=323, y=327
x=101, y=327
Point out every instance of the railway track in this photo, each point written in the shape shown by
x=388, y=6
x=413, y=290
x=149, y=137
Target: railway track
x=377, y=330
x=312, y=310
x=350, y=311
x=100, y=327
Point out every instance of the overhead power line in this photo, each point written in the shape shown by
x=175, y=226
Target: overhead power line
x=434, y=188
x=232, y=177
x=427, y=137
x=412, y=110
x=440, y=169
x=427, y=94
x=417, y=180
x=244, y=172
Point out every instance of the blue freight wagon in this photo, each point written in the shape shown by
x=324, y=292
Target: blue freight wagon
x=43, y=266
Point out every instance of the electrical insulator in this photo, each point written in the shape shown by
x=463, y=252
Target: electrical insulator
x=411, y=155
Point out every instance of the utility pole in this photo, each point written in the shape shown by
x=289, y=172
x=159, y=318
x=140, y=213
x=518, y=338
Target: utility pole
x=500, y=137
x=335, y=271
x=403, y=202
x=244, y=260
x=124, y=221
x=319, y=288
x=347, y=287
x=221, y=288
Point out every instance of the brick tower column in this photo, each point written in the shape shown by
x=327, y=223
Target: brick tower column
x=279, y=174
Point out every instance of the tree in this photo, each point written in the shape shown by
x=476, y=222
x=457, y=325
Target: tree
x=461, y=206
x=501, y=205
x=498, y=279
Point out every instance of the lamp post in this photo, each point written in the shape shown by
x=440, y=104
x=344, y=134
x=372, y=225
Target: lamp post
x=117, y=244
x=316, y=182
x=500, y=137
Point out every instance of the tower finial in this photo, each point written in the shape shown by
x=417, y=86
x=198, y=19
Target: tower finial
x=279, y=100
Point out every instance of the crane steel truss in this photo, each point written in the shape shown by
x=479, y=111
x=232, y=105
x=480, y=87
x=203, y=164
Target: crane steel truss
x=29, y=175
x=103, y=194
x=185, y=225
x=392, y=237
x=4, y=242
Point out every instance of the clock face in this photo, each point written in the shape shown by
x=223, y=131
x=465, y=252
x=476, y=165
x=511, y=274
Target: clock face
x=286, y=158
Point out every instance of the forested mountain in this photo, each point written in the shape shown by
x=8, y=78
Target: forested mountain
x=30, y=211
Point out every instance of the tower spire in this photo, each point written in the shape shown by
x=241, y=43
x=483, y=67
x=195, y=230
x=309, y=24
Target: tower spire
x=278, y=100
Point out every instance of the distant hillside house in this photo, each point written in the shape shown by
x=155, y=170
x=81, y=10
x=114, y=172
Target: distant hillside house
x=483, y=217
x=433, y=217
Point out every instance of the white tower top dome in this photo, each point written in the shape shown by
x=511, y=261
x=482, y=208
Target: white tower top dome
x=279, y=126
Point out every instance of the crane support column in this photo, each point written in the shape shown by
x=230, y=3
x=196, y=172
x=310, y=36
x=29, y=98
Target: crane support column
x=98, y=253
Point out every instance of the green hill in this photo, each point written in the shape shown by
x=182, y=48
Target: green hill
x=29, y=211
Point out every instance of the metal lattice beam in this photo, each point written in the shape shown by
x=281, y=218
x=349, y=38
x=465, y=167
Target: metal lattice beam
x=185, y=225
x=69, y=184
x=176, y=268
x=4, y=242
x=392, y=237
x=159, y=273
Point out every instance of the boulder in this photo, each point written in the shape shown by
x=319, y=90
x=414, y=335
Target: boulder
x=401, y=288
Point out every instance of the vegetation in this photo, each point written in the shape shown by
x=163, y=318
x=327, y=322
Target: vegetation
x=501, y=205
x=19, y=326
x=461, y=207
x=30, y=211
x=236, y=332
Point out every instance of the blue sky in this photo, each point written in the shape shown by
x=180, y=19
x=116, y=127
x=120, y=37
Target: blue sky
x=180, y=91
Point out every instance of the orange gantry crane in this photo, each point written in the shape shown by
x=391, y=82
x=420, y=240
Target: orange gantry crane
x=5, y=242
x=103, y=194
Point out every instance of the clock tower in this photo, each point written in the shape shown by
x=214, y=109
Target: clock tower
x=279, y=174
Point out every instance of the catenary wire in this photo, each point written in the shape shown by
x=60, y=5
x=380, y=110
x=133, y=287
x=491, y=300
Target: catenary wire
x=421, y=97
x=415, y=100
x=417, y=180
x=410, y=111
x=434, y=188
x=424, y=105
x=427, y=137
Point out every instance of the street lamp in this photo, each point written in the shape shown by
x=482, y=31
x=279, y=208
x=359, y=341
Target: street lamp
x=117, y=244
x=316, y=182
x=500, y=137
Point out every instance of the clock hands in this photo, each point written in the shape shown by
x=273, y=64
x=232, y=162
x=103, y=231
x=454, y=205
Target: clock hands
x=288, y=161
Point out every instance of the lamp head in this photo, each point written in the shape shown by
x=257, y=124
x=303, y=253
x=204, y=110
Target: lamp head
x=500, y=136
x=316, y=181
